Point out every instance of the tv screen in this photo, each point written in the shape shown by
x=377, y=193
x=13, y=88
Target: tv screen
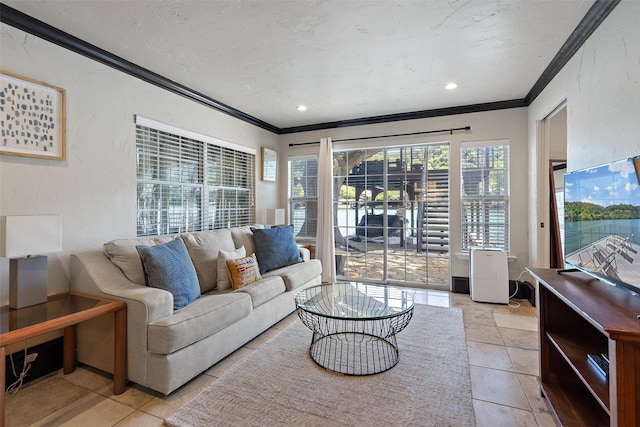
x=602, y=222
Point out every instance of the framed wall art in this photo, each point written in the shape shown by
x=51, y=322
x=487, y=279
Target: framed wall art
x=269, y=164
x=32, y=116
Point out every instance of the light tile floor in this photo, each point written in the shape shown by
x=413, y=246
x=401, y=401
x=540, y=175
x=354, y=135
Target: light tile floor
x=502, y=345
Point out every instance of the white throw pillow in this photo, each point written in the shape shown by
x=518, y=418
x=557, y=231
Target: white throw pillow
x=224, y=279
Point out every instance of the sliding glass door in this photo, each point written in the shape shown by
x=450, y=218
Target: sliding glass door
x=392, y=214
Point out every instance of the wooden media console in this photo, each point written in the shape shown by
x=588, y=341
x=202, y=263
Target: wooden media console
x=579, y=316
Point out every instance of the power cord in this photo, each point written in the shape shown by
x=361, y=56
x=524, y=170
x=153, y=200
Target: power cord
x=513, y=303
x=26, y=366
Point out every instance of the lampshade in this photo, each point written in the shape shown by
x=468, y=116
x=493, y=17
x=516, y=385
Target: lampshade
x=275, y=216
x=30, y=235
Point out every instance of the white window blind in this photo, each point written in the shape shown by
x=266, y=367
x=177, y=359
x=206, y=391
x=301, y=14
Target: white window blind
x=485, y=194
x=190, y=183
x=303, y=195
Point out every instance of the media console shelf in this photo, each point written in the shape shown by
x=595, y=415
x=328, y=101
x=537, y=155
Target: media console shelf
x=578, y=315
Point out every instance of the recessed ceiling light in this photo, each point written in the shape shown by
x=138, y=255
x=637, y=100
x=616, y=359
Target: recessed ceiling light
x=301, y=108
x=451, y=86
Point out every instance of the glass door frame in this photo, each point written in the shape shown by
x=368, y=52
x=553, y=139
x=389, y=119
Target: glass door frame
x=409, y=205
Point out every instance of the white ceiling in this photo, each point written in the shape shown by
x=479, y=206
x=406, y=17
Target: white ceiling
x=343, y=59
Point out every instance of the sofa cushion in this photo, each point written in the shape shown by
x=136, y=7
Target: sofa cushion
x=243, y=236
x=204, y=317
x=224, y=279
x=169, y=267
x=124, y=255
x=243, y=271
x=263, y=290
x=297, y=274
x=203, y=248
x=276, y=248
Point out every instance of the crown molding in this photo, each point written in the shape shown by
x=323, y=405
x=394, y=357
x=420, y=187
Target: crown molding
x=593, y=18
x=438, y=112
x=40, y=29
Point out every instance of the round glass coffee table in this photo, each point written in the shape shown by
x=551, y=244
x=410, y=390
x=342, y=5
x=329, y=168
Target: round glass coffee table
x=354, y=325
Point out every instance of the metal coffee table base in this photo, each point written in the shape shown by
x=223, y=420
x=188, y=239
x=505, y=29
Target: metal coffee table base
x=354, y=353
x=353, y=332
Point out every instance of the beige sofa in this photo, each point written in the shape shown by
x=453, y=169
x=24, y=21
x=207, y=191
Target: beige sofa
x=167, y=347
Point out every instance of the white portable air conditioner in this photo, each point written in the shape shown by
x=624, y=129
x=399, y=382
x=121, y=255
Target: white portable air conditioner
x=489, y=276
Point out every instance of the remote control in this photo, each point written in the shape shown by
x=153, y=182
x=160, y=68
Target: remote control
x=600, y=363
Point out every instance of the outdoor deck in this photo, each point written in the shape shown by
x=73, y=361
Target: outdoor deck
x=404, y=266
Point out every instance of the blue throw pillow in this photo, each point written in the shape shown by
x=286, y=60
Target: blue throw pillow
x=169, y=267
x=275, y=247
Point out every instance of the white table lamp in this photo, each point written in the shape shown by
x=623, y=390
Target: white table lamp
x=23, y=238
x=275, y=216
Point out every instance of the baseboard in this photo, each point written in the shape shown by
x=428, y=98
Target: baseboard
x=460, y=285
x=49, y=360
x=525, y=290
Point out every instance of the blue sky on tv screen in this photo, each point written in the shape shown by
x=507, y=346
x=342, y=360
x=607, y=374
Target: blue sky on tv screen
x=612, y=184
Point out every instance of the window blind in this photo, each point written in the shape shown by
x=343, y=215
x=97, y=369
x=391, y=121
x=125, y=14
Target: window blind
x=187, y=184
x=303, y=195
x=485, y=194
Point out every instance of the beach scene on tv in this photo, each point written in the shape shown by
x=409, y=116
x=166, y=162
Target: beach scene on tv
x=602, y=220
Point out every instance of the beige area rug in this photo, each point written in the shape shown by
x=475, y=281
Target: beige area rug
x=279, y=384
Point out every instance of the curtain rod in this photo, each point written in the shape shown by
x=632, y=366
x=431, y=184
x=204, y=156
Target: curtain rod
x=450, y=131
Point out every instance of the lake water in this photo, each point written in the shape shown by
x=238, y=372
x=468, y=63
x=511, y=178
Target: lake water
x=578, y=234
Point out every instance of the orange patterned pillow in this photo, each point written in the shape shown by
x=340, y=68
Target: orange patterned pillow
x=243, y=271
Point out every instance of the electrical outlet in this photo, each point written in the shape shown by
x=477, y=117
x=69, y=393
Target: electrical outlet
x=30, y=357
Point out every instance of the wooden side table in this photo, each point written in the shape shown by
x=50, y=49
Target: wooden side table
x=63, y=311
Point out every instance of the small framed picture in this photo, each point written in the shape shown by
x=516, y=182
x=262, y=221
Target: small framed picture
x=269, y=164
x=32, y=116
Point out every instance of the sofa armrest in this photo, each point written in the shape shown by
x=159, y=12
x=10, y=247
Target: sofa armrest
x=92, y=272
x=305, y=253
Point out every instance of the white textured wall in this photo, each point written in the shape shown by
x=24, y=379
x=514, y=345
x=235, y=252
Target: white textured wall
x=604, y=92
x=94, y=189
x=558, y=135
x=601, y=85
x=504, y=124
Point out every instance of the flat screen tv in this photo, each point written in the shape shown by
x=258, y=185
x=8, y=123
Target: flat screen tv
x=602, y=222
